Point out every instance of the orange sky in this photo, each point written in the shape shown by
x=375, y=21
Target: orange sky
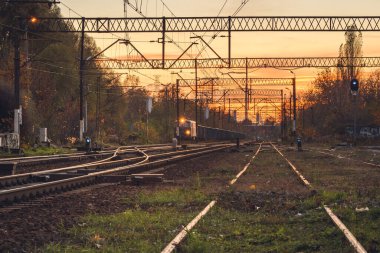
x=244, y=44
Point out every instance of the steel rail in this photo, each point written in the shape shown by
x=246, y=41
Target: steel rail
x=26, y=158
x=183, y=233
x=350, y=237
x=91, y=178
x=27, y=177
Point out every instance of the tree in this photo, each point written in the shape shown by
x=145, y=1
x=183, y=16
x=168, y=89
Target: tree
x=348, y=52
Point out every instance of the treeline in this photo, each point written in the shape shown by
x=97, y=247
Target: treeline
x=50, y=89
x=330, y=107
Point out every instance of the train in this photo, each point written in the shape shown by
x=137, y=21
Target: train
x=188, y=130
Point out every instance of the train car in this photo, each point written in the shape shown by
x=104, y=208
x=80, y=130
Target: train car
x=209, y=133
x=188, y=130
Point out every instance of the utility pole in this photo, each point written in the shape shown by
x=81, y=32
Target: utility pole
x=294, y=107
x=224, y=107
x=196, y=93
x=81, y=84
x=219, y=116
x=200, y=111
x=282, y=114
x=213, y=122
x=97, y=109
x=246, y=89
x=168, y=114
x=177, y=105
x=229, y=112
x=17, y=103
x=290, y=109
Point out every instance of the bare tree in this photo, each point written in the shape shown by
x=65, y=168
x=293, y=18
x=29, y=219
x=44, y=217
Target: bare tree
x=349, y=64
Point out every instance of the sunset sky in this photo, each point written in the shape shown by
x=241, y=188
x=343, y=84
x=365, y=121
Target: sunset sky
x=244, y=44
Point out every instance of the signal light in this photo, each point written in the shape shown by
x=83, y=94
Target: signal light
x=33, y=20
x=354, y=85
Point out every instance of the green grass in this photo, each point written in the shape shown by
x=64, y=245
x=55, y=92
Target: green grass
x=45, y=151
x=364, y=225
x=130, y=231
x=227, y=230
x=179, y=197
x=152, y=221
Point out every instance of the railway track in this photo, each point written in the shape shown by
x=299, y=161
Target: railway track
x=24, y=164
x=350, y=237
x=264, y=147
x=31, y=185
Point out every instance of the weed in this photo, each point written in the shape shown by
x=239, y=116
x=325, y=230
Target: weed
x=45, y=151
x=132, y=231
x=329, y=197
x=171, y=197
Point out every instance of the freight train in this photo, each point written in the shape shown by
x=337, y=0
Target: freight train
x=188, y=130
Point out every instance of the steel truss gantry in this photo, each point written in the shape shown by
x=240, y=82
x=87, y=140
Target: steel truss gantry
x=208, y=24
x=245, y=85
x=228, y=82
x=229, y=93
x=203, y=24
x=286, y=62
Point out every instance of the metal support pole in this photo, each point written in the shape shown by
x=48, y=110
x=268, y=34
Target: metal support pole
x=200, y=112
x=147, y=126
x=246, y=89
x=229, y=42
x=294, y=107
x=224, y=107
x=290, y=111
x=163, y=41
x=167, y=115
x=355, y=116
x=196, y=93
x=17, y=103
x=229, y=110
x=81, y=84
x=177, y=105
x=282, y=114
x=213, y=122
x=97, y=109
x=219, y=116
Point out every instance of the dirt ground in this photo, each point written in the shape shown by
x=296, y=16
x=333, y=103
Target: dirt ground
x=266, y=210
x=45, y=221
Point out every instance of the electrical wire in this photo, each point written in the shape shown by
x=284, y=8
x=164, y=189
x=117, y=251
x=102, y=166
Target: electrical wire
x=70, y=9
x=241, y=6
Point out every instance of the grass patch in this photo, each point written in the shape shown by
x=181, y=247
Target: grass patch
x=179, y=197
x=155, y=217
x=130, y=231
x=364, y=225
x=226, y=230
x=45, y=151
